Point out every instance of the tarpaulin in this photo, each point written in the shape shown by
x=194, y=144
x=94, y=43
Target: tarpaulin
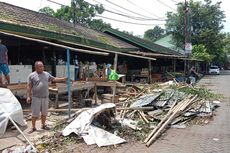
x=9, y=107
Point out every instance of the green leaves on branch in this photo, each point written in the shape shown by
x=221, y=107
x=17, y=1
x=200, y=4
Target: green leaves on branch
x=204, y=24
x=200, y=52
x=153, y=34
x=79, y=12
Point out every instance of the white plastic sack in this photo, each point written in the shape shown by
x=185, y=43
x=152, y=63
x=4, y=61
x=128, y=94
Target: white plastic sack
x=9, y=106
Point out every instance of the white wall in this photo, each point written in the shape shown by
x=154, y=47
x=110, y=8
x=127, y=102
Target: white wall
x=19, y=73
x=61, y=71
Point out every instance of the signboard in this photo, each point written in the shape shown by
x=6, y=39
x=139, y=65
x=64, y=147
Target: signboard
x=188, y=48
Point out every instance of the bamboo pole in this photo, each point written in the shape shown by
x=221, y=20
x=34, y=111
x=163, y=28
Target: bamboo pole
x=34, y=149
x=181, y=108
x=161, y=122
x=114, y=83
x=142, y=115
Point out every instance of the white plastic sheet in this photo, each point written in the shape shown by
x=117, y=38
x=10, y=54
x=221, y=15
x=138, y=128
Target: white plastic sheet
x=91, y=134
x=9, y=106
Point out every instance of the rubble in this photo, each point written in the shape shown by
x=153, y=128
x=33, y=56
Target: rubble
x=141, y=114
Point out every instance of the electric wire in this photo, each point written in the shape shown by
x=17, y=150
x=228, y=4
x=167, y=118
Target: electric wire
x=127, y=21
x=126, y=9
x=165, y=5
x=111, y=18
x=144, y=9
x=132, y=17
x=126, y=15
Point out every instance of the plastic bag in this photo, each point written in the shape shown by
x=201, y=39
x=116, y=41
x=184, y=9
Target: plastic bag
x=113, y=76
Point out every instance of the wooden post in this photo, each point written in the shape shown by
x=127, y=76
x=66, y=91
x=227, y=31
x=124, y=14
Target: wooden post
x=185, y=67
x=115, y=69
x=95, y=93
x=174, y=65
x=150, y=72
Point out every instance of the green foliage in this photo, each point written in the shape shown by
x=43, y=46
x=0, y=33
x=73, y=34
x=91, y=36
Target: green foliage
x=98, y=24
x=82, y=12
x=200, y=52
x=47, y=10
x=79, y=12
x=227, y=43
x=202, y=93
x=153, y=34
x=206, y=21
x=63, y=13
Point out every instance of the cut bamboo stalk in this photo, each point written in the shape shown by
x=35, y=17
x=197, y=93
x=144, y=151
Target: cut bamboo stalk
x=159, y=127
x=141, y=113
x=181, y=108
x=161, y=122
x=34, y=149
x=125, y=111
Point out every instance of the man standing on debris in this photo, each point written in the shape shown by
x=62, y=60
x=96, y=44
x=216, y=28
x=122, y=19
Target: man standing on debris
x=4, y=69
x=193, y=75
x=38, y=93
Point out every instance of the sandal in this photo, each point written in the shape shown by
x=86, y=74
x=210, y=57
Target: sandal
x=32, y=130
x=45, y=127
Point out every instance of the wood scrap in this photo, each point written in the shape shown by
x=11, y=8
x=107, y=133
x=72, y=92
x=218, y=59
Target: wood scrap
x=176, y=112
x=142, y=115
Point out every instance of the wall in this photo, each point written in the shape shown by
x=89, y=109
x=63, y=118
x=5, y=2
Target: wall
x=19, y=73
x=61, y=71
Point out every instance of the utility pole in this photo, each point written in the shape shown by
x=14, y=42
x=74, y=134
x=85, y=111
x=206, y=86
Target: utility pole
x=187, y=40
x=185, y=24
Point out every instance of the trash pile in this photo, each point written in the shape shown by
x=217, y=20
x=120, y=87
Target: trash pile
x=143, y=113
x=161, y=106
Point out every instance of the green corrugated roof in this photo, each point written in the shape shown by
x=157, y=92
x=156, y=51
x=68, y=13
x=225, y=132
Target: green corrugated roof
x=166, y=41
x=141, y=42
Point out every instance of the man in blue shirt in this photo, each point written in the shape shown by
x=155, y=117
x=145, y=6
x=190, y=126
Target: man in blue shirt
x=4, y=69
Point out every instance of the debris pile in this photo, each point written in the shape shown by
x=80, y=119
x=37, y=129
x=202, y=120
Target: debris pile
x=143, y=113
x=160, y=106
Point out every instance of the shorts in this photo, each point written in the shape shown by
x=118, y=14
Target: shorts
x=4, y=69
x=39, y=105
x=192, y=80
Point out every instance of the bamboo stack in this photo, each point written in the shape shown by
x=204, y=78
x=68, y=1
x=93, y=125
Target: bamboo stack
x=172, y=114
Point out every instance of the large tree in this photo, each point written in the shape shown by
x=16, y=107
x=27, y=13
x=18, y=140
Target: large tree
x=205, y=24
x=98, y=24
x=227, y=43
x=153, y=34
x=79, y=12
x=47, y=10
x=82, y=12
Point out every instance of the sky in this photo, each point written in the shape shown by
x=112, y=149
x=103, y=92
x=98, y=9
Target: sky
x=140, y=15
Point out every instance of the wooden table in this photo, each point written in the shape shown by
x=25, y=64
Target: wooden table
x=61, y=88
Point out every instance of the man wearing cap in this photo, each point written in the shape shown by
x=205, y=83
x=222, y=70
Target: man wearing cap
x=4, y=69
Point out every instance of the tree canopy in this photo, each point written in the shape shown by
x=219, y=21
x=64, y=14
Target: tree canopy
x=153, y=34
x=47, y=10
x=79, y=12
x=205, y=22
x=200, y=52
